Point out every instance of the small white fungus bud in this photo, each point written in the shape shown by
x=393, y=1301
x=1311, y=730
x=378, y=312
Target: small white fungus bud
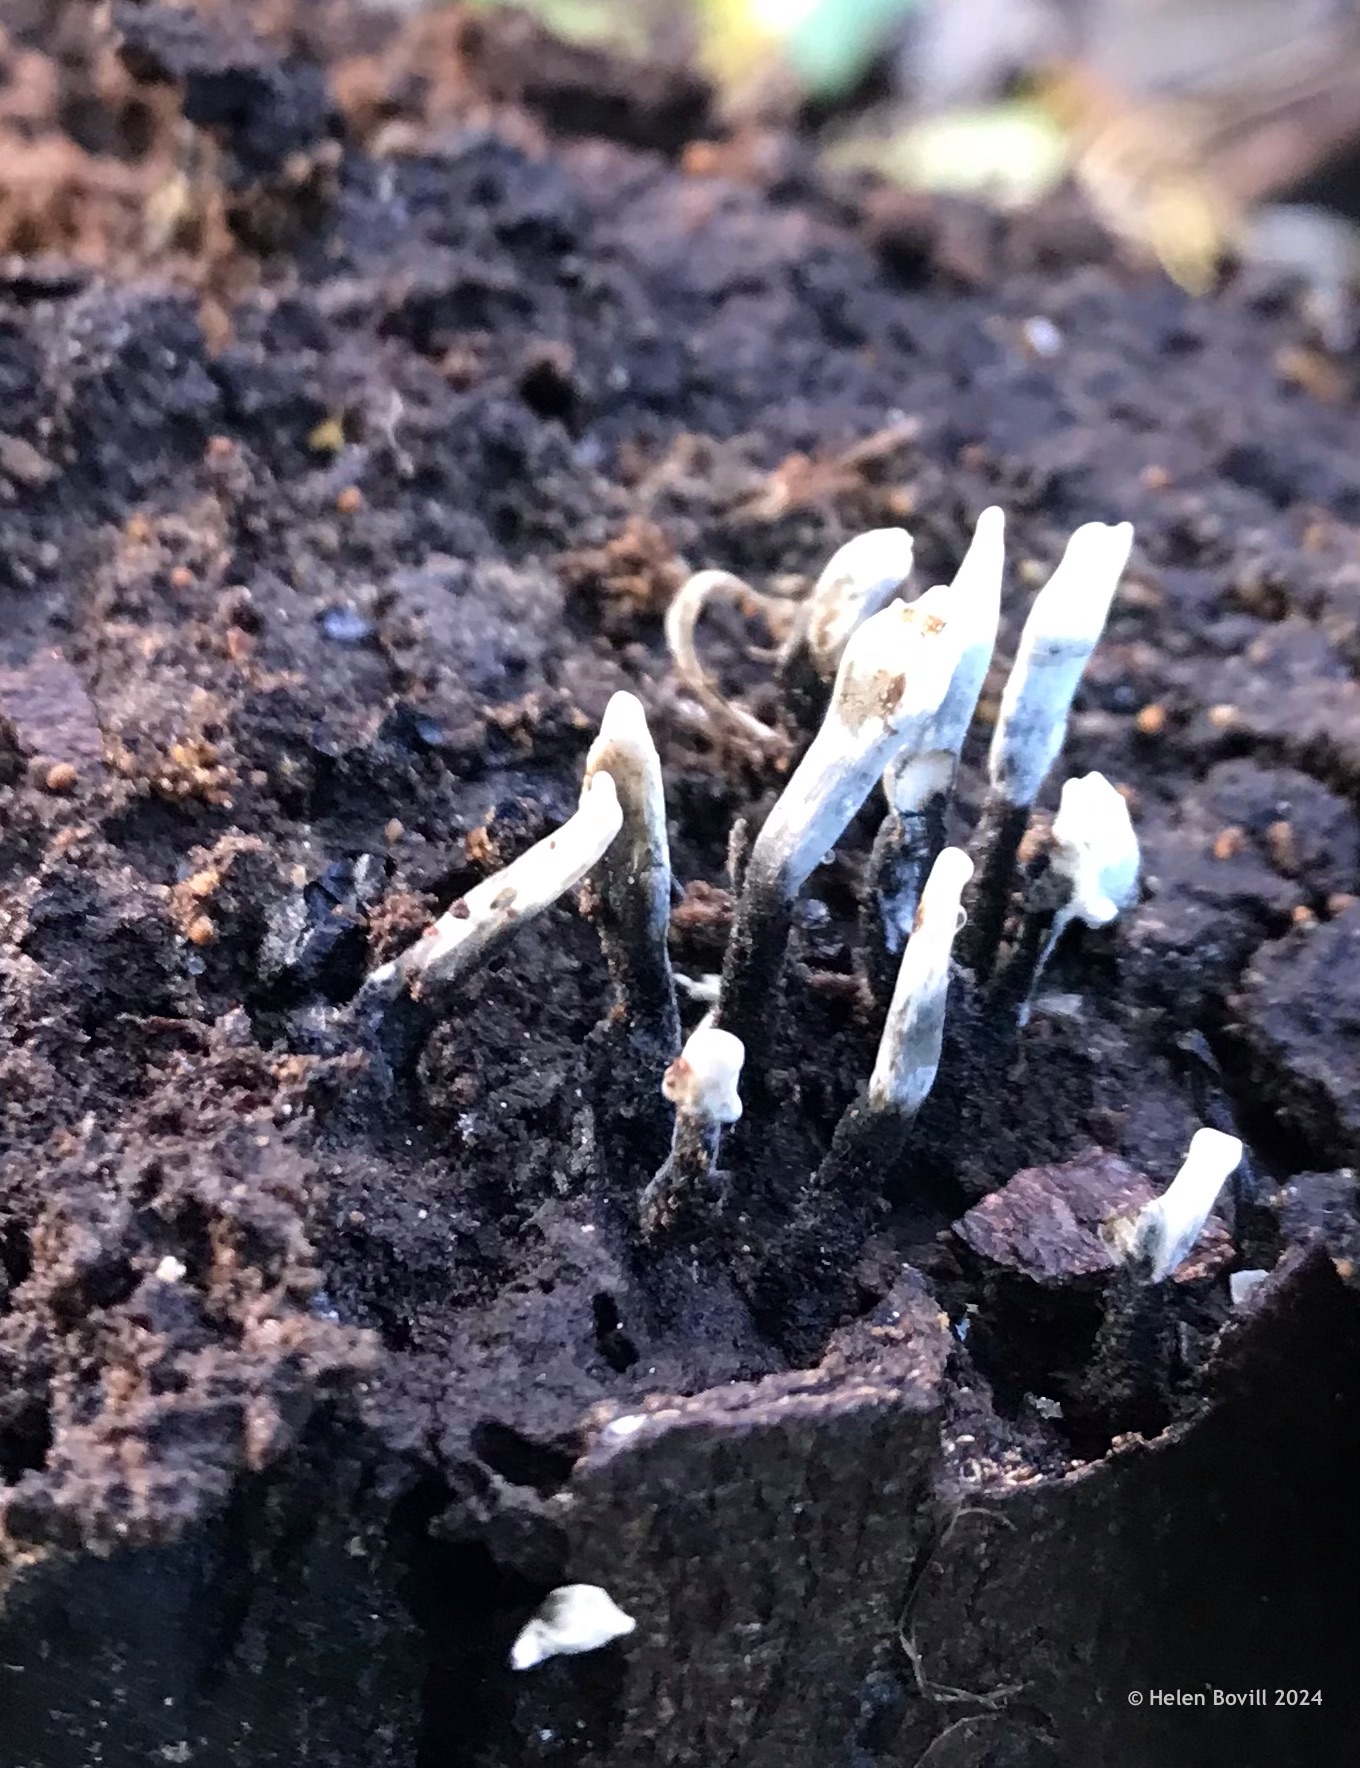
x=1096, y=849
x=859, y=579
x=1063, y=628
x=909, y=1051
x=492, y=910
x=702, y=1081
x=1168, y=1228
x=972, y=604
x=1242, y=1285
x=571, y=1619
x=171, y=1270
x=893, y=677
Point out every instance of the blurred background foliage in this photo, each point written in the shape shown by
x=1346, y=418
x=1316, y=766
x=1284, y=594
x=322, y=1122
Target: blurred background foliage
x=1187, y=121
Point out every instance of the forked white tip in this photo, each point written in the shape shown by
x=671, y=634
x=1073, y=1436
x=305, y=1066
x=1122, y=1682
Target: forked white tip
x=909, y=1051
x=703, y=1079
x=571, y=1619
x=1095, y=847
x=1168, y=1227
x=859, y=579
x=1063, y=628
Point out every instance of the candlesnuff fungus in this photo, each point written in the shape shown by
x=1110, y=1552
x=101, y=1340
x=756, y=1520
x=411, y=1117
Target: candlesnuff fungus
x=1092, y=877
x=702, y=1085
x=875, y=1128
x=892, y=680
x=571, y=1619
x=633, y=878
x=1168, y=1227
x=494, y=909
x=1137, y=1348
x=682, y=618
x=1063, y=628
x=859, y=580
x=919, y=786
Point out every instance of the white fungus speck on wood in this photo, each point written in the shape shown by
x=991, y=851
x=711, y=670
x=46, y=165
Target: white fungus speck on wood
x=892, y=680
x=572, y=1619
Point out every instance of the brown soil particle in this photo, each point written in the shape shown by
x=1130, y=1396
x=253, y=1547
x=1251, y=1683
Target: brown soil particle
x=338, y=498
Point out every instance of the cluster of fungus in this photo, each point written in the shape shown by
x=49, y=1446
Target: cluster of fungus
x=896, y=685
x=900, y=682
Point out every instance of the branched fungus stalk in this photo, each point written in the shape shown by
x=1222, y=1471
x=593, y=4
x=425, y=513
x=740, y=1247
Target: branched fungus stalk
x=632, y=882
x=892, y=680
x=874, y=1130
x=1063, y=628
x=919, y=787
x=1091, y=877
x=702, y=1084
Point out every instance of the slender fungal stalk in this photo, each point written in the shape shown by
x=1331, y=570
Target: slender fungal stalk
x=874, y=1130
x=1092, y=877
x=1063, y=628
x=891, y=683
x=919, y=787
x=702, y=1084
x=633, y=879
x=466, y=933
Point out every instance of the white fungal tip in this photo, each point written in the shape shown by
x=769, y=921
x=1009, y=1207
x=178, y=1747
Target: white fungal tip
x=571, y=1619
x=703, y=1079
x=1168, y=1227
x=898, y=665
x=1063, y=628
x=171, y=1270
x=1096, y=848
x=909, y=1051
x=624, y=723
x=1075, y=602
x=859, y=579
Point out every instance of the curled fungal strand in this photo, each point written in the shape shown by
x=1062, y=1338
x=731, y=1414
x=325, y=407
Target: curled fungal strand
x=682, y=619
x=1169, y=1226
